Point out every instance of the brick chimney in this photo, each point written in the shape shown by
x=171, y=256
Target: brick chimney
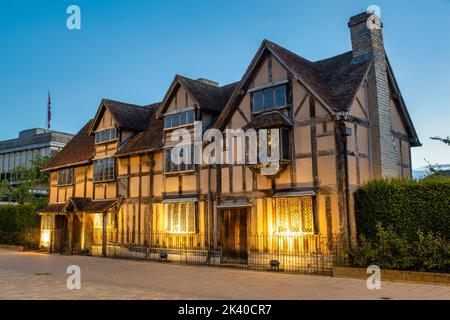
x=367, y=44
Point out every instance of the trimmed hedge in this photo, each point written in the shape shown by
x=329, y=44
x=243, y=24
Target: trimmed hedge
x=18, y=218
x=407, y=207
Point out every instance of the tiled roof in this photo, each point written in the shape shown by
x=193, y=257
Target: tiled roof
x=342, y=78
x=80, y=204
x=129, y=116
x=97, y=206
x=335, y=79
x=79, y=150
x=268, y=120
x=53, y=208
x=147, y=140
x=209, y=97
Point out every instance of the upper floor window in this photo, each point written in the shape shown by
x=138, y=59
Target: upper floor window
x=65, y=177
x=179, y=119
x=171, y=167
x=106, y=135
x=104, y=169
x=284, y=145
x=268, y=99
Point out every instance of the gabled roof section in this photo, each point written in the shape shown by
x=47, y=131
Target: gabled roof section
x=414, y=138
x=79, y=150
x=206, y=96
x=148, y=140
x=342, y=78
x=128, y=116
x=274, y=119
x=334, y=81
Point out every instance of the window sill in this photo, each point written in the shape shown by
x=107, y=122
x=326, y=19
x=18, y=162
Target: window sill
x=106, y=142
x=179, y=172
x=179, y=127
x=271, y=110
x=65, y=185
x=104, y=181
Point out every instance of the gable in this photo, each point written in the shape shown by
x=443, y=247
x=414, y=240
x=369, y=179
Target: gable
x=359, y=107
x=180, y=99
x=401, y=107
x=270, y=71
x=105, y=121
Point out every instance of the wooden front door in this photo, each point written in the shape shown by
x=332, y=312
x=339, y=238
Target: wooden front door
x=60, y=244
x=234, y=235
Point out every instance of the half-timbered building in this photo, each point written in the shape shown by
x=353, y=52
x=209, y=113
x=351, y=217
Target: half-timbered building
x=342, y=121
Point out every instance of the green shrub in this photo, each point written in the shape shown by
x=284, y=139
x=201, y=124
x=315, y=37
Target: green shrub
x=18, y=218
x=404, y=206
x=389, y=250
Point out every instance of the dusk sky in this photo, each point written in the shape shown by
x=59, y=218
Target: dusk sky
x=131, y=50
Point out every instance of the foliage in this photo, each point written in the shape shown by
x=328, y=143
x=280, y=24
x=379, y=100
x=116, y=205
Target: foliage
x=4, y=186
x=27, y=179
x=392, y=251
x=444, y=140
x=405, y=206
x=18, y=218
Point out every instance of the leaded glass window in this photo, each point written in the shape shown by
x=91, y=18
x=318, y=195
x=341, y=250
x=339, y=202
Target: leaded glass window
x=180, y=217
x=293, y=215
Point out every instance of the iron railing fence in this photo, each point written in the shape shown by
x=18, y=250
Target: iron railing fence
x=308, y=253
x=29, y=239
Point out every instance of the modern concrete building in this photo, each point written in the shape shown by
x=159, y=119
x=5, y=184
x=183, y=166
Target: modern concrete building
x=18, y=152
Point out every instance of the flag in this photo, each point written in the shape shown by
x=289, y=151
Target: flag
x=49, y=111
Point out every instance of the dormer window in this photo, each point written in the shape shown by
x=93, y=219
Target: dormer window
x=269, y=99
x=179, y=119
x=106, y=135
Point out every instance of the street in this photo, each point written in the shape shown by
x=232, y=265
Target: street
x=25, y=275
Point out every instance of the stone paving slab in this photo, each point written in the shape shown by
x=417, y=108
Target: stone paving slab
x=25, y=275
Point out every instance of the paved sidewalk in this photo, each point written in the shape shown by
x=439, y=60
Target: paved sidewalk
x=42, y=276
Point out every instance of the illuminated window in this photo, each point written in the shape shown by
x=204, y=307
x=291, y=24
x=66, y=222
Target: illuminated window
x=65, y=177
x=104, y=169
x=47, y=222
x=180, y=217
x=293, y=215
x=106, y=135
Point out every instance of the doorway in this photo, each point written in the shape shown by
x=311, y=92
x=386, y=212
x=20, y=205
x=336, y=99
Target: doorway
x=233, y=232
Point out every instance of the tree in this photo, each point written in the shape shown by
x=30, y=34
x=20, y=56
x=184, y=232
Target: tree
x=444, y=140
x=27, y=179
x=4, y=186
x=432, y=169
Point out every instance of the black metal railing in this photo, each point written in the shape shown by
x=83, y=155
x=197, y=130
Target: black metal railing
x=306, y=253
x=270, y=252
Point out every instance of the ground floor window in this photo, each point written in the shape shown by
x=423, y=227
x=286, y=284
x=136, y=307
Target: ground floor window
x=293, y=215
x=180, y=217
x=47, y=222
